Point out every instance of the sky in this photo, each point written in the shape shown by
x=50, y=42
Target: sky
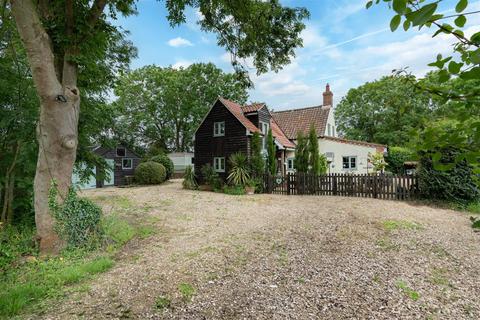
x=344, y=45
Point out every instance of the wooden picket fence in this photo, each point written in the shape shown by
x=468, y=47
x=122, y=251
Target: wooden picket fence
x=379, y=186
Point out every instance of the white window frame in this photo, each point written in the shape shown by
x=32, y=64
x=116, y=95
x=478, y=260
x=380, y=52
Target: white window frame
x=131, y=164
x=219, y=164
x=292, y=160
x=264, y=127
x=124, y=152
x=350, y=163
x=217, y=129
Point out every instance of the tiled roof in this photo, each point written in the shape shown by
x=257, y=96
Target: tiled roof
x=299, y=120
x=279, y=135
x=355, y=142
x=253, y=107
x=236, y=110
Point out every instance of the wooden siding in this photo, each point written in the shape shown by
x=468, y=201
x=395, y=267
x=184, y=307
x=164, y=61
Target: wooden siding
x=207, y=146
x=264, y=116
x=119, y=174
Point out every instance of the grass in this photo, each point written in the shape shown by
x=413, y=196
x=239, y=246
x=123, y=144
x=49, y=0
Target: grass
x=473, y=207
x=409, y=292
x=391, y=225
x=24, y=286
x=234, y=190
x=162, y=302
x=187, y=291
x=439, y=277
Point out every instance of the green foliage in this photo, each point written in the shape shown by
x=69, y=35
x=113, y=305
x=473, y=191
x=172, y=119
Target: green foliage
x=162, y=302
x=456, y=82
x=271, y=154
x=164, y=160
x=453, y=182
x=210, y=176
x=316, y=164
x=117, y=231
x=235, y=190
x=378, y=161
x=77, y=219
x=150, y=173
x=396, y=157
x=239, y=169
x=383, y=111
x=301, y=154
x=15, y=241
x=473, y=207
x=257, y=161
x=189, y=179
x=38, y=280
x=162, y=107
x=412, y=294
x=475, y=222
x=187, y=291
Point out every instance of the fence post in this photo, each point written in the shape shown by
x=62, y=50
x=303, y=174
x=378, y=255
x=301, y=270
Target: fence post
x=288, y=183
x=334, y=184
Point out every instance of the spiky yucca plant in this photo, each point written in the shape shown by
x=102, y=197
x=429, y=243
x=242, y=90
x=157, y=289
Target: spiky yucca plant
x=239, y=169
x=189, y=179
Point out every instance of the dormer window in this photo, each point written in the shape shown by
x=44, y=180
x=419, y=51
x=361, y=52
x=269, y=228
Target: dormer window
x=121, y=152
x=329, y=130
x=219, y=129
x=264, y=127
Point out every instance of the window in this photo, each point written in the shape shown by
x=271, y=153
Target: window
x=350, y=163
x=264, y=128
x=219, y=129
x=290, y=164
x=333, y=131
x=121, y=152
x=127, y=163
x=219, y=164
x=329, y=130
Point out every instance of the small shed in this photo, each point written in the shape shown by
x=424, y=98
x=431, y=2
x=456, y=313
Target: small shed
x=181, y=160
x=121, y=163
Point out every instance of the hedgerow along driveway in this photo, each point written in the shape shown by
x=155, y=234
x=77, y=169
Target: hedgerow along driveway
x=215, y=256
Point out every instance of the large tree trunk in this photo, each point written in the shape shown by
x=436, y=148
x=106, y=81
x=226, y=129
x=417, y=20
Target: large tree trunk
x=57, y=142
x=57, y=126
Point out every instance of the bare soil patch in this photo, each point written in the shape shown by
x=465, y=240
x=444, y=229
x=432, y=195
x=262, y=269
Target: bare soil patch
x=214, y=256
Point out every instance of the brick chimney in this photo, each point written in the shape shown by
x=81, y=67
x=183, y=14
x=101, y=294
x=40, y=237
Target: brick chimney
x=328, y=96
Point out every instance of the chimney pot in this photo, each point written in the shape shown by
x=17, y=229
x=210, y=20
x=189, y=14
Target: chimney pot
x=328, y=96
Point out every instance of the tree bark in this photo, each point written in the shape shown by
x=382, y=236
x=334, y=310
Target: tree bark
x=57, y=131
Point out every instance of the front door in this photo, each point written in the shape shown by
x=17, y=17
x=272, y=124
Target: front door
x=109, y=173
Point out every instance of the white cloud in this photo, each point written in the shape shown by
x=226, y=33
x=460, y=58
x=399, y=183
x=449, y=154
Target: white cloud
x=179, y=42
x=182, y=64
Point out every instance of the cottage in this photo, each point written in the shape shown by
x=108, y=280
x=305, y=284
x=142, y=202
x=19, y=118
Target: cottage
x=342, y=155
x=121, y=163
x=228, y=127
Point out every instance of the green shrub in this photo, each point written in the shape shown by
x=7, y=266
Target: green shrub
x=16, y=241
x=189, y=179
x=475, y=222
x=239, y=169
x=236, y=190
x=77, y=219
x=257, y=161
x=210, y=176
x=451, y=181
x=396, y=157
x=150, y=173
x=164, y=160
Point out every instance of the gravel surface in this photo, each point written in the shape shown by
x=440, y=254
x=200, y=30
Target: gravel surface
x=214, y=256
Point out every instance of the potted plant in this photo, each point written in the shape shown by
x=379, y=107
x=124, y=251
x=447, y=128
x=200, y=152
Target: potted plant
x=250, y=186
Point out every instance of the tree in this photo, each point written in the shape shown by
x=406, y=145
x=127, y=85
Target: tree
x=378, y=161
x=63, y=39
x=271, y=154
x=301, y=154
x=463, y=64
x=384, y=111
x=257, y=161
x=314, y=161
x=164, y=106
x=396, y=157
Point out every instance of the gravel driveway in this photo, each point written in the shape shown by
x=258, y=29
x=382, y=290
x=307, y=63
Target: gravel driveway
x=214, y=256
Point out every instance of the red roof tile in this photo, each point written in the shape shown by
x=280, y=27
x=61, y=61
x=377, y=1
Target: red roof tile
x=299, y=120
x=355, y=142
x=252, y=107
x=279, y=135
x=236, y=110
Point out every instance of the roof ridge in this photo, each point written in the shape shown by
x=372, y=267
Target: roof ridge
x=311, y=107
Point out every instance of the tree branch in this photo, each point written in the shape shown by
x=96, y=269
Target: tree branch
x=37, y=45
x=69, y=74
x=95, y=12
